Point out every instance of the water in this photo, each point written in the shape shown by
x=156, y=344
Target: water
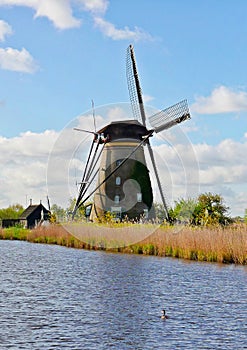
x=57, y=298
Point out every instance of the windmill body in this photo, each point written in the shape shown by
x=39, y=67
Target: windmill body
x=128, y=191
x=116, y=158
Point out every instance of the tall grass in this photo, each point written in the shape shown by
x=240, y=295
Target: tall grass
x=215, y=244
x=55, y=234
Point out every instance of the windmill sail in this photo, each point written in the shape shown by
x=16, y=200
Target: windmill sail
x=139, y=112
x=170, y=116
x=134, y=87
x=88, y=175
x=150, y=150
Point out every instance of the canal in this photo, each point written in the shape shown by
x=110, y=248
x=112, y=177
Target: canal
x=53, y=297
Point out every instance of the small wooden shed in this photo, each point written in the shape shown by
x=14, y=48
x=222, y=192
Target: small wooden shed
x=34, y=215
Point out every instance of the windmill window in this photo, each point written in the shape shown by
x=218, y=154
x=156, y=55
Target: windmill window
x=145, y=213
x=118, y=180
x=118, y=162
x=116, y=199
x=139, y=197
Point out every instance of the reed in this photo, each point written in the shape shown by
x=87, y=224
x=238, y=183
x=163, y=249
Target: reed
x=212, y=244
x=215, y=244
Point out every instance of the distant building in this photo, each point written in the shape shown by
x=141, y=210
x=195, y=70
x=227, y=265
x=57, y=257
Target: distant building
x=34, y=215
x=5, y=223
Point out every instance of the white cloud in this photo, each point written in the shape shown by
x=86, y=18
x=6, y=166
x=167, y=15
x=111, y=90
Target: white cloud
x=96, y=6
x=60, y=13
x=109, y=30
x=220, y=169
x=147, y=98
x=26, y=145
x=117, y=113
x=185, y=168
x=226, y=153
x=23, y=166
x=15, y=60
x=221, y=100
x=57, y=11
x=5, y=29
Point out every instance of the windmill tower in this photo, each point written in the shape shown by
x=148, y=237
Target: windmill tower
x=116, y=157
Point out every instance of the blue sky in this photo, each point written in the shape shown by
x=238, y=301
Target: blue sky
x=56, y=56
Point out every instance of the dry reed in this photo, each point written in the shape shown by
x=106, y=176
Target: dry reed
x=215, y=244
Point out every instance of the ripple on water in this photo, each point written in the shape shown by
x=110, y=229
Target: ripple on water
x=57, y=298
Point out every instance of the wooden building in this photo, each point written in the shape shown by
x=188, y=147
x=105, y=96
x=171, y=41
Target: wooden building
x=34, y=215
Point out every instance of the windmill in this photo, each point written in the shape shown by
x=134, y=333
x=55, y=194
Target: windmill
x=116, y=157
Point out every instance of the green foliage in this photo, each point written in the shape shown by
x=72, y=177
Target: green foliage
x=208, y=209
x=107, y=218
x=12, y=212
x=58, y=213
x=15, y=233
x=211, y=210
x=80, y=213
x=183, y=211
x=159, y=211
x=245, y=216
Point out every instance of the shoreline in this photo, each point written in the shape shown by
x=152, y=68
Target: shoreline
x=221, y=245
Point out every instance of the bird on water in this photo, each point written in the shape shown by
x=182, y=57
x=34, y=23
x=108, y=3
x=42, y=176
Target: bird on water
x=164, y=316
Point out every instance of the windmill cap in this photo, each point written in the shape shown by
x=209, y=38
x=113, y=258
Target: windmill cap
x=130, y=129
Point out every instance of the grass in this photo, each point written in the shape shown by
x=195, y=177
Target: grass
x=215, y=244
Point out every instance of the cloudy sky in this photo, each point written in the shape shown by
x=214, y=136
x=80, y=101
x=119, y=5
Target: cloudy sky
x=58, y=55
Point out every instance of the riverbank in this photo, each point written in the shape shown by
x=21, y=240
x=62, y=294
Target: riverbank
x=216, y=244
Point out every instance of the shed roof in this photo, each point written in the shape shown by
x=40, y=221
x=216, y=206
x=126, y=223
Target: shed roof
x=30, y=210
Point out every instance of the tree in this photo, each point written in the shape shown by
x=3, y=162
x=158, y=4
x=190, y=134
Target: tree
x=12, y=212
x=183, y=211
x=58, y=213
x=80, y=213
x=207, y=209
x=159, y=211
x=211, y=210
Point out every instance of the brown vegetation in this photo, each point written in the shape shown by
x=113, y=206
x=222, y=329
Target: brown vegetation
x=215, y=244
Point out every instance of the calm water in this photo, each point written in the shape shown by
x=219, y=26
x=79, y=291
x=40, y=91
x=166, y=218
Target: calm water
x=57, y=298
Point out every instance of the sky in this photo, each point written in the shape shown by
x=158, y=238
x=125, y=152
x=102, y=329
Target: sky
x=56, y=56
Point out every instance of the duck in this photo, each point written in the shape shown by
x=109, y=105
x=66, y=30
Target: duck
x=164, y=316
